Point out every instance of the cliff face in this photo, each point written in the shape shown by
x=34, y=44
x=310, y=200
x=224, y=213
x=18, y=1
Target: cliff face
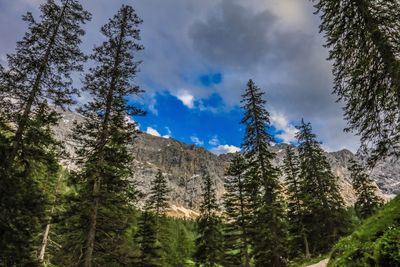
x=182, y=164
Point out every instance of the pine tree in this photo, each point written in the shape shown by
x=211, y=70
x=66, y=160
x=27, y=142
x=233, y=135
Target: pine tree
x=151, y=225
x=363, y=37
x=38, y=73
x=298, y=233
x=210, y=240
x=324, y=214
x=105, y=193
x=40, y=70
x=269, y=233
x=158, y=197
x=237, y=210
x=367, y=201
x=150, y=250
x=24, y=196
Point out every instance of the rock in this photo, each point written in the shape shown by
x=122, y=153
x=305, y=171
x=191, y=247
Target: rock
x=182, y=164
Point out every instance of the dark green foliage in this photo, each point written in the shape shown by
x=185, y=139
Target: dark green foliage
x=236, y=215
x=367, y=201
x=269, y=229
x=295, y=208
x=151, y=227
x=324, y=217
x=209, y=243
x=375, y=243
x=363, y=37
x=147, y=237
x=158, y=197
x=38, y=72
x=104, y=192
x=24, y=190
x=40, y=69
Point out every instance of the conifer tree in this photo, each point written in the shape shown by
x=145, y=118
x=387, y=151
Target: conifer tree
x=105, y=193
x=38, y=73
x=151, y=224
x=367, y=201
x=363, y=37
x=23, y=198
x=269, y=229
x=40, y=70
x=158, y=197
x=237, y=210
x=150, y=250
x=209, y=243
x=298, y=233
x=324, y=215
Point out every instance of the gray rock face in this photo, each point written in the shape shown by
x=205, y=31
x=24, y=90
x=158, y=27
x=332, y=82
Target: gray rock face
x=182, y=164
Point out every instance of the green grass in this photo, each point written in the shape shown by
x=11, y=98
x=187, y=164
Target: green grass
x=375, y=243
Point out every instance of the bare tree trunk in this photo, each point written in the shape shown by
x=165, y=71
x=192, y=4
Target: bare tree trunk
x=93, y=223
x=306, y=246
x=44, y=242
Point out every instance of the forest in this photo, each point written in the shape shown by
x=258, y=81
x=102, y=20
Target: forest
x=93, y=214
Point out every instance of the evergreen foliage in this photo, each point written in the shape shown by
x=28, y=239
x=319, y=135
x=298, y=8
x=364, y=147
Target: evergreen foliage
x=209, y=243
x=105, y=193
x=324, y=217
x=367, y=201
x=38, y=72
x=363, y=37
x=295, y=209
x=236, y=215
x=25, y=190
x=269, y=229
x=158, y=197
x=151, y=227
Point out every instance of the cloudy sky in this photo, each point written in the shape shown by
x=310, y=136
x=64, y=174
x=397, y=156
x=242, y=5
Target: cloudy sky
x=198, y=57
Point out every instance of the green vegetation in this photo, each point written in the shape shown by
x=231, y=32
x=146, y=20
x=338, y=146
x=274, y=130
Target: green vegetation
x=375, y=243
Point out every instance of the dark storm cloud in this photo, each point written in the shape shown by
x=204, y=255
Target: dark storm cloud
x=235, y=36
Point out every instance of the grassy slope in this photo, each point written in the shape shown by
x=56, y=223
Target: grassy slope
x=375, y=243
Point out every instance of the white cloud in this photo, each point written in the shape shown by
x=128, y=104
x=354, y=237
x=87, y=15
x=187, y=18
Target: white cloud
x=214, y=141
x=152, y=131
x=186, y=98
x=288, y=131
x=169, y=133
x=197, y=141
x=224, y=149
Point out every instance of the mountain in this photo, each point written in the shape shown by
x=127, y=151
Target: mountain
x=182, y=164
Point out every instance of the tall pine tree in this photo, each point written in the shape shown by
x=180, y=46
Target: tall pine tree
x=324, y=214
x=236, y=215
x=105, y=193
x=363, y=37
x=367, y=201
x=209, y=242
x=158, y=197
x=269, y=229
x=40, y=70
x=298, y=233
x=37, y=73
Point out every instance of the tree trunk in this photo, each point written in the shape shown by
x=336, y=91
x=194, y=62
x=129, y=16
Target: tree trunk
x=23, y=121
x=306, y=246
x=88, y=258
x=93, y=222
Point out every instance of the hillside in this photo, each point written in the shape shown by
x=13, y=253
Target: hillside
x=182, y=164
x=375, y=243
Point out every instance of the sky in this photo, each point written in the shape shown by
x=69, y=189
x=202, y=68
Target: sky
x=199, y=56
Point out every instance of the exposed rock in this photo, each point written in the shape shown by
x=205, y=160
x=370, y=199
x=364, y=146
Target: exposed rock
x=182, y=164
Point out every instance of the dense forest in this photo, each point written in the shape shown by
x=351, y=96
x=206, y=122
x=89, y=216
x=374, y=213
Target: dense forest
x=94, y=215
